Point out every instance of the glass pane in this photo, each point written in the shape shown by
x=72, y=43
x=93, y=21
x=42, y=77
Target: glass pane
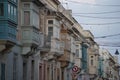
x=15, y=14
x=50, y=29
x=50, y=21
x=12, y=12
x=50, y=33
x=9, y=10
x=26, y=17
x=1, y=9
x=26, y=5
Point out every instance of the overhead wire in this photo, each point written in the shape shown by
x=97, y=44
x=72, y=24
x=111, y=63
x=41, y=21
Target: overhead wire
x=113, y=5
x=108, y=36
x=100, y=23
x=109, y=12
x=109, y=45
x=115, y=18
x=98, y=17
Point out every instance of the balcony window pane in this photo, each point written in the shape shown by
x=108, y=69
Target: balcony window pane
x=26, y=5
x=26, y=17
x=12, y=12
x=9, y=10
x=1, y=9
x=15, y=14
x=50, y=33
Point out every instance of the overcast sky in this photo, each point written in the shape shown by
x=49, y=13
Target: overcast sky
x=98, y=13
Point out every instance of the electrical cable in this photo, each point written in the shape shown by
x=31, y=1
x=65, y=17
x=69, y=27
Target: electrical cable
x=100, y=23
x=109, y=45
x=98, y=17
x=109, y=12
x=108, y=36
x=92, y=4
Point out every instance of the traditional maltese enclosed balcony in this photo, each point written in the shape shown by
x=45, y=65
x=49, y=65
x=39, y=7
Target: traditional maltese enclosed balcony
x=65, y=58
x=31, y=36
x=53, y=46
x=8, y=24
x=31, y=39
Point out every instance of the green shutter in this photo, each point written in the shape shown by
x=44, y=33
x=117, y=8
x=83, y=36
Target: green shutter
x=84, y=57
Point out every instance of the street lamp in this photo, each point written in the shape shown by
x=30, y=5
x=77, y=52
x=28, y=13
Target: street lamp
x=116, y=53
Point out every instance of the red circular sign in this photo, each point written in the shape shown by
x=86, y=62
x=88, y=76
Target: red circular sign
x=75, y=69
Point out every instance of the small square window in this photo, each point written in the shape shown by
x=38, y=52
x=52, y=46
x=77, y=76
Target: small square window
x=26, y=5
x=50, y=21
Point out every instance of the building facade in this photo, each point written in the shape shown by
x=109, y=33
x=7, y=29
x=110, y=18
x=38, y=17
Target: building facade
x=93, y=55
x=10, y=49
x=109, y=66
x=40, y=40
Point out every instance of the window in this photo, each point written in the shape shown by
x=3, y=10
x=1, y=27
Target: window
x=32, y=70
x=50, y=21
x=12, y=12
x=40, y=72
x=91, y=61
x=50, y=33
x=15, y=67
x=57, y=32
x=26, y=5
x=9, y=10
x=27, y=17
x=15, y=14
x=2, y=71
x=77, y=52
x=1, y=9
x=24, y=71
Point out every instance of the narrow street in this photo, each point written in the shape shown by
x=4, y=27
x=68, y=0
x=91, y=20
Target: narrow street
x=59, y=40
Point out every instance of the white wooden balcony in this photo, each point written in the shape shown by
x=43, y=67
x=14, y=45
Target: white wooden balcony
x=57, y=47
x=54, y=46
x=31, y=40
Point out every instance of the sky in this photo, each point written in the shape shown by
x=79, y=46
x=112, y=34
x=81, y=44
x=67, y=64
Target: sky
x=101, y=17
